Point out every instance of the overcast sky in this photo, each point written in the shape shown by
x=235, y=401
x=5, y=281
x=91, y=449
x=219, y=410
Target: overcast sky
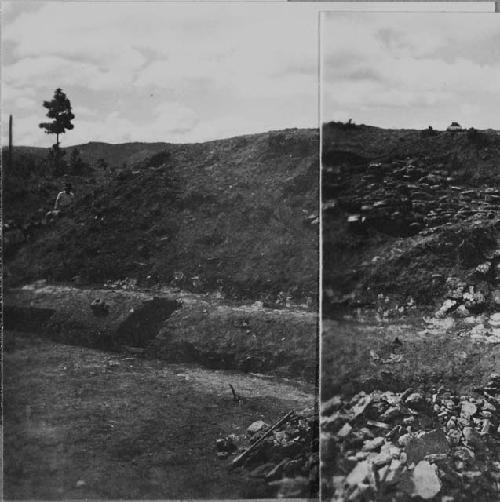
x=161, y=71
x=411, y=70
x=176, y=72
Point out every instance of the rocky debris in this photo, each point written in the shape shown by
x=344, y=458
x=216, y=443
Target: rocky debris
x=387, y=307
x=225, y=446
x=481, y=328
x=446, y=308
x=284, y=455
x=256, y=427
x=390, y=446
x=472, y=303
x=496, y=297
x=406, y=196
x=127, y=284
x=439, y=222
x=99, y=307
x=426, y=480
x=464, y=299
x=495, y=320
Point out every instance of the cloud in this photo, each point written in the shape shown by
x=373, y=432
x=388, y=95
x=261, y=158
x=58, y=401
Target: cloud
x=79, y=110
x=44, y=71
x=11, y=92
x=174, y=118
x=23, y=102
x=165, y=71
x=401, y=69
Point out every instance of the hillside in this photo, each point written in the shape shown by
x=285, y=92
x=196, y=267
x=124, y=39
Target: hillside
x=30, y=186
x=236, y=215
x=113, y=154
x=410, y=216
x=411, y=323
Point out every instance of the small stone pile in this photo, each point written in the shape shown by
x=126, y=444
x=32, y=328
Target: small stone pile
x=285, y=455
x=474, y=296
x=127, y=284
x=435, y=445
x=486, y=329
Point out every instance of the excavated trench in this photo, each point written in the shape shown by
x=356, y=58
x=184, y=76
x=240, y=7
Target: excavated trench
x=233, y=359
x=144, y=323
x=29, y=319
x=140, y=325
x=191, y=330
x=168, y=389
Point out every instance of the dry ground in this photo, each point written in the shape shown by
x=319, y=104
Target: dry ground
x=83, y=423
x=363, y=353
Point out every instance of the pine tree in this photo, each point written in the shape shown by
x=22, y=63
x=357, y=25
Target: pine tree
x=59, y=109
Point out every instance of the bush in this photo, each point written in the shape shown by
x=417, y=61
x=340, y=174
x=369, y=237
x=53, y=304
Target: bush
x=342, y=125
x=158, y=159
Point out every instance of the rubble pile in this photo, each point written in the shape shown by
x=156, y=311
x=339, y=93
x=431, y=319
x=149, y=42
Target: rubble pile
x=433, y=445
x=485, y=329
x=473, y=297
x=405, y=197
x=406, y=225
x=284, y=455
x=127, y=284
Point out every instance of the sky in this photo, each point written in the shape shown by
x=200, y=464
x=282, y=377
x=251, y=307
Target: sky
x=175, y=72
x=401, y=70
x=162, y=71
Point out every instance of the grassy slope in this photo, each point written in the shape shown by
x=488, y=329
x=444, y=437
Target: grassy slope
x=31, y=186
x=237, y=213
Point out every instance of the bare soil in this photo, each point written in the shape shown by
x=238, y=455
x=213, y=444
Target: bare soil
x=365, y=353
x=174, y=326
x=84, y=423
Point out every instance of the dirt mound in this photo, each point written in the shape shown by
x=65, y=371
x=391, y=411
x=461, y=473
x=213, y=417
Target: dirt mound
x=236, y=215
x=405, y=211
